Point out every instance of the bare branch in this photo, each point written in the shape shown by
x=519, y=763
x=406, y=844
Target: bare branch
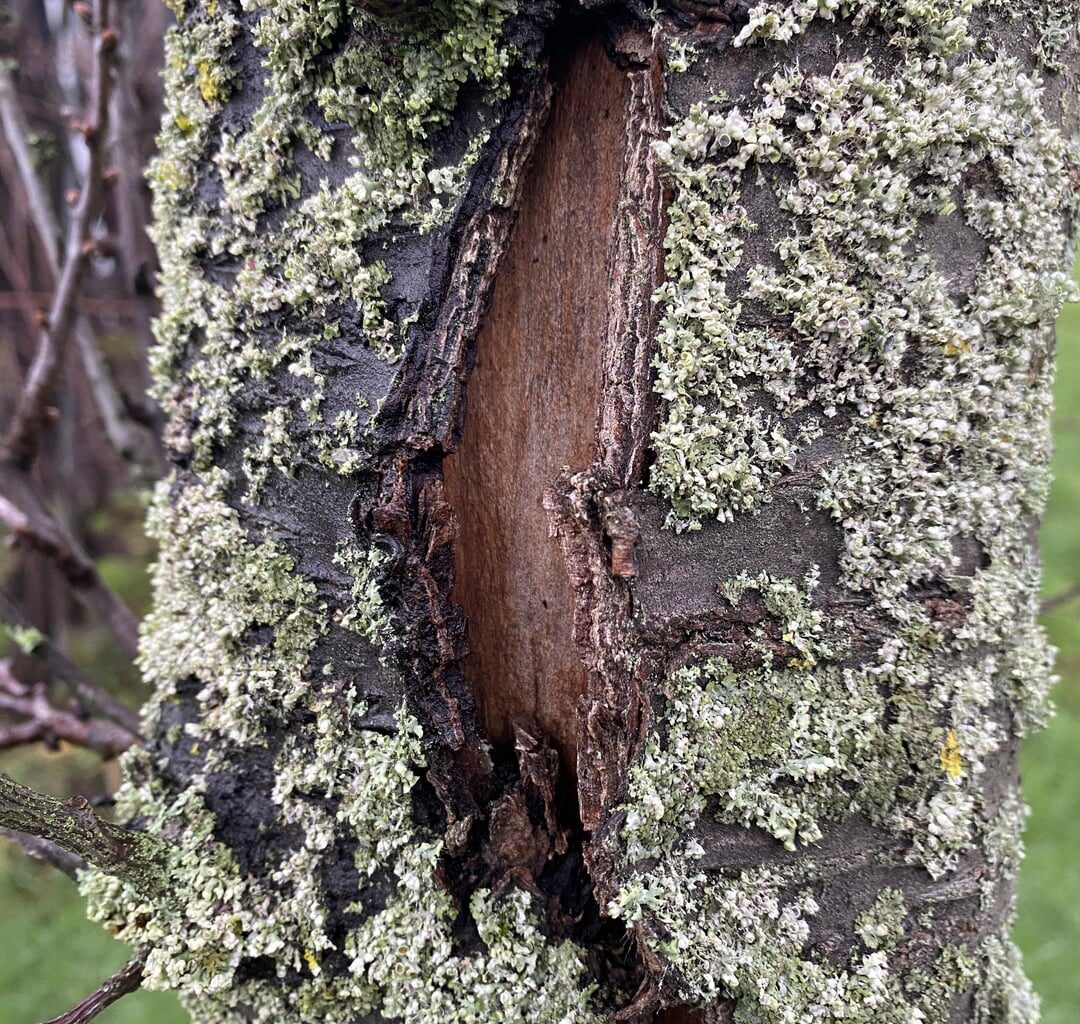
x=24, y=434
x=122, y=983
x=136, y=250
x=48, y=724
x=134, y=857
x=1057, y=600
x=25, y=513
x=89, y=693
x=127, y=438
x=16, y=133
x=47, y=853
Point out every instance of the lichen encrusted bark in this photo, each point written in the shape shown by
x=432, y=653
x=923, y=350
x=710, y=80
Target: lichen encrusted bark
x=807, y=612
x=869, y=240
x=321, y=170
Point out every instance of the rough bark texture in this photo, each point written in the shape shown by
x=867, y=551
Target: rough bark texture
x=655, y=644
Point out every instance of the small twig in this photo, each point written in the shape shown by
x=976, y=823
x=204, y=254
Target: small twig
x=122, y=983
x=127, y=438
x=136, y=251
x=133, y=857
x=117, y=307
x=87, y=691
x=21, y=298
x=45, y=723
x=30, y=415
x=46, y=852
x=16, y=134
x=25, y=513
x=1057, y=600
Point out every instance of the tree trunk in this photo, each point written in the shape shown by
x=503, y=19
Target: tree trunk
x=598, y=578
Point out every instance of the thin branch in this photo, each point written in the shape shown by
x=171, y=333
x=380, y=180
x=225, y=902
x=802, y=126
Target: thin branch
x=133, y=857
x=25, y=432
x=136, y=252
x=122, y=983
x=105, y=306
x=87, y=691
x=16, y=133
x=47, y=853
x=21, y=298
x=1057, y=600
x=25, y=513
x=45, y=723
x=126, y=437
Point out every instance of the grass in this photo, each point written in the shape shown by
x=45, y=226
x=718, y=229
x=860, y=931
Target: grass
x=51, y=956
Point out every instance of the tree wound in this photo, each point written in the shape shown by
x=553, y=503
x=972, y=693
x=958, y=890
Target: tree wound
x=532, y=405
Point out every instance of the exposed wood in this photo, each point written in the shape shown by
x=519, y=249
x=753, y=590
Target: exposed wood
x=531, y=412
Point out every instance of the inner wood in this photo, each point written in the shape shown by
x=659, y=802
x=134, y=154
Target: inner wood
x=531, y=412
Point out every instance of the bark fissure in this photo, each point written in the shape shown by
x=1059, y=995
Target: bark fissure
x=532, y=408
x=665, y=623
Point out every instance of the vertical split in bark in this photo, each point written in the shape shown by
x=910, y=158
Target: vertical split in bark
x=793, y=722
x=532, y=407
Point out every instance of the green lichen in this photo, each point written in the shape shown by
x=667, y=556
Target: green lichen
x=366, y=616
x=802, y=626
x=932, y=396
x=940, y=26
x=26, y=638
x=402, y=959
x=212, y=591
x=882, y=926
x=259, y=273
x=390, y=93
x=744, y=938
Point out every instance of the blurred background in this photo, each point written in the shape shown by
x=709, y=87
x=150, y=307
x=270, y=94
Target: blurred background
x=95, y=472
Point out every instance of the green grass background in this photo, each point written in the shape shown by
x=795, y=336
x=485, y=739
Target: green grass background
x=51, y=956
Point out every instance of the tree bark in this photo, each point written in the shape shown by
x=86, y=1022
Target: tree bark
x=597, y=579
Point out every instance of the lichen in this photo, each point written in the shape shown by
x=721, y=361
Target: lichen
x=274, y=204
x=916, y=407
x=402, y=960
x=212, y=591
x=744, y=938
x=268, y=279
x=940, y=26
x=26, y=638
x=217, y=334
x=882, y=925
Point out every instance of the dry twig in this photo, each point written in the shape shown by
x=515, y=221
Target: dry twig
x=90, y=694
x=24, y=511
x=124, y=981
x=25, y=432
x=43, y=722
x=46, y=852
x=1057, y=600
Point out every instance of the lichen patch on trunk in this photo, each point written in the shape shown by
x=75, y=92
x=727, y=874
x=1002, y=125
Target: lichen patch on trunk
x=764, y=425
